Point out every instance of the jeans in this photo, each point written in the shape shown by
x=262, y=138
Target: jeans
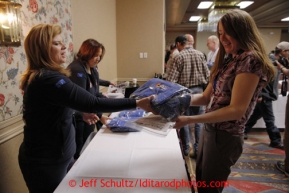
x=185, y=132
x=264, y=109
x=44, y=177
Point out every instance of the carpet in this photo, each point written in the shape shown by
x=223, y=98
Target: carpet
x=255, y=170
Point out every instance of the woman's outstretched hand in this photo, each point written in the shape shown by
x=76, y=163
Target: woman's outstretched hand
x=145, y=104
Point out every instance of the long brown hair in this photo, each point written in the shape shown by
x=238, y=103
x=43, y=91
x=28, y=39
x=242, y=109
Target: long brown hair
x=37, y=47
x=241, y=26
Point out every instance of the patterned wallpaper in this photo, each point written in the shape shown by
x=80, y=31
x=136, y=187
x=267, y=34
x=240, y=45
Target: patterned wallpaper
x=13, y=59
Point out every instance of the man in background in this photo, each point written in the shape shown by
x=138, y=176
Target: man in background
x=189, y=69
x=190, y=39
x=213, y=46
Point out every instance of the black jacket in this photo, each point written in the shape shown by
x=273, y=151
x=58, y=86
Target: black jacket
x=270, y=92
x=48, y=101
x=89, y=82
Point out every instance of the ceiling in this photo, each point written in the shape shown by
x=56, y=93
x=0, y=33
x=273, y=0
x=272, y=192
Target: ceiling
x=266, y=13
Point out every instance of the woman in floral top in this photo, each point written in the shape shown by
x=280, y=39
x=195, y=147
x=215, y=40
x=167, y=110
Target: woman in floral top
x=242, y=68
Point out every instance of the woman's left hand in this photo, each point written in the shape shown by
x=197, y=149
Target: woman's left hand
x=181, y=121
x=145, y=104
x=104, y=119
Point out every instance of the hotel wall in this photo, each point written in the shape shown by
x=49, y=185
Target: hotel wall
x=126, y=28
x=97, y=19
x=140, y=28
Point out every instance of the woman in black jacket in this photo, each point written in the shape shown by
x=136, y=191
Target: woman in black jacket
x=49, y=100
x=84, y=73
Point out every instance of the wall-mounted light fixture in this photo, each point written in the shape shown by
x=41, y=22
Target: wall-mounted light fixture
x=10, y=23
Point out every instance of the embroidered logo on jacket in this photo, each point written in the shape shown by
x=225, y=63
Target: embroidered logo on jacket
x=60, y=83
x=161, y=86
x=79, y=75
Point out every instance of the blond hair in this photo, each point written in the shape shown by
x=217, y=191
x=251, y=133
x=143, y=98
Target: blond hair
x=37, y=45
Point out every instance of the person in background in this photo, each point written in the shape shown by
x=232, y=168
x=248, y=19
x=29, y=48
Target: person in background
x=272, y=55
x=84, y=73
x=264, y=108
x=205, y=56
x=213, y=46
x=174, y=52
x=184, y=133
x=46, y=153
x=189, y=69
x=242, y=68
x=190, y=39
x=167, y=56
x=281, y=54
x=283, y=50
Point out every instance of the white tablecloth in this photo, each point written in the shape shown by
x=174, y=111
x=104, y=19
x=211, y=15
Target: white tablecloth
x=132, y=162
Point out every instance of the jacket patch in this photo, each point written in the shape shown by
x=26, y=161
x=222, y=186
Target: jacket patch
x=79, y=75
x=60, y=83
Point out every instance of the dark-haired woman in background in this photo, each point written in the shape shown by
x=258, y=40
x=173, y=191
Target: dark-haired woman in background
x=84, y=73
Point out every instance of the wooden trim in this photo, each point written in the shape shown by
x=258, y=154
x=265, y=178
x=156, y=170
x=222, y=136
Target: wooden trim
x=10, y=121
x=14, y=131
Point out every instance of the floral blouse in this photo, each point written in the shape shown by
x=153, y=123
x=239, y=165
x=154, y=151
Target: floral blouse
x=221, y=94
